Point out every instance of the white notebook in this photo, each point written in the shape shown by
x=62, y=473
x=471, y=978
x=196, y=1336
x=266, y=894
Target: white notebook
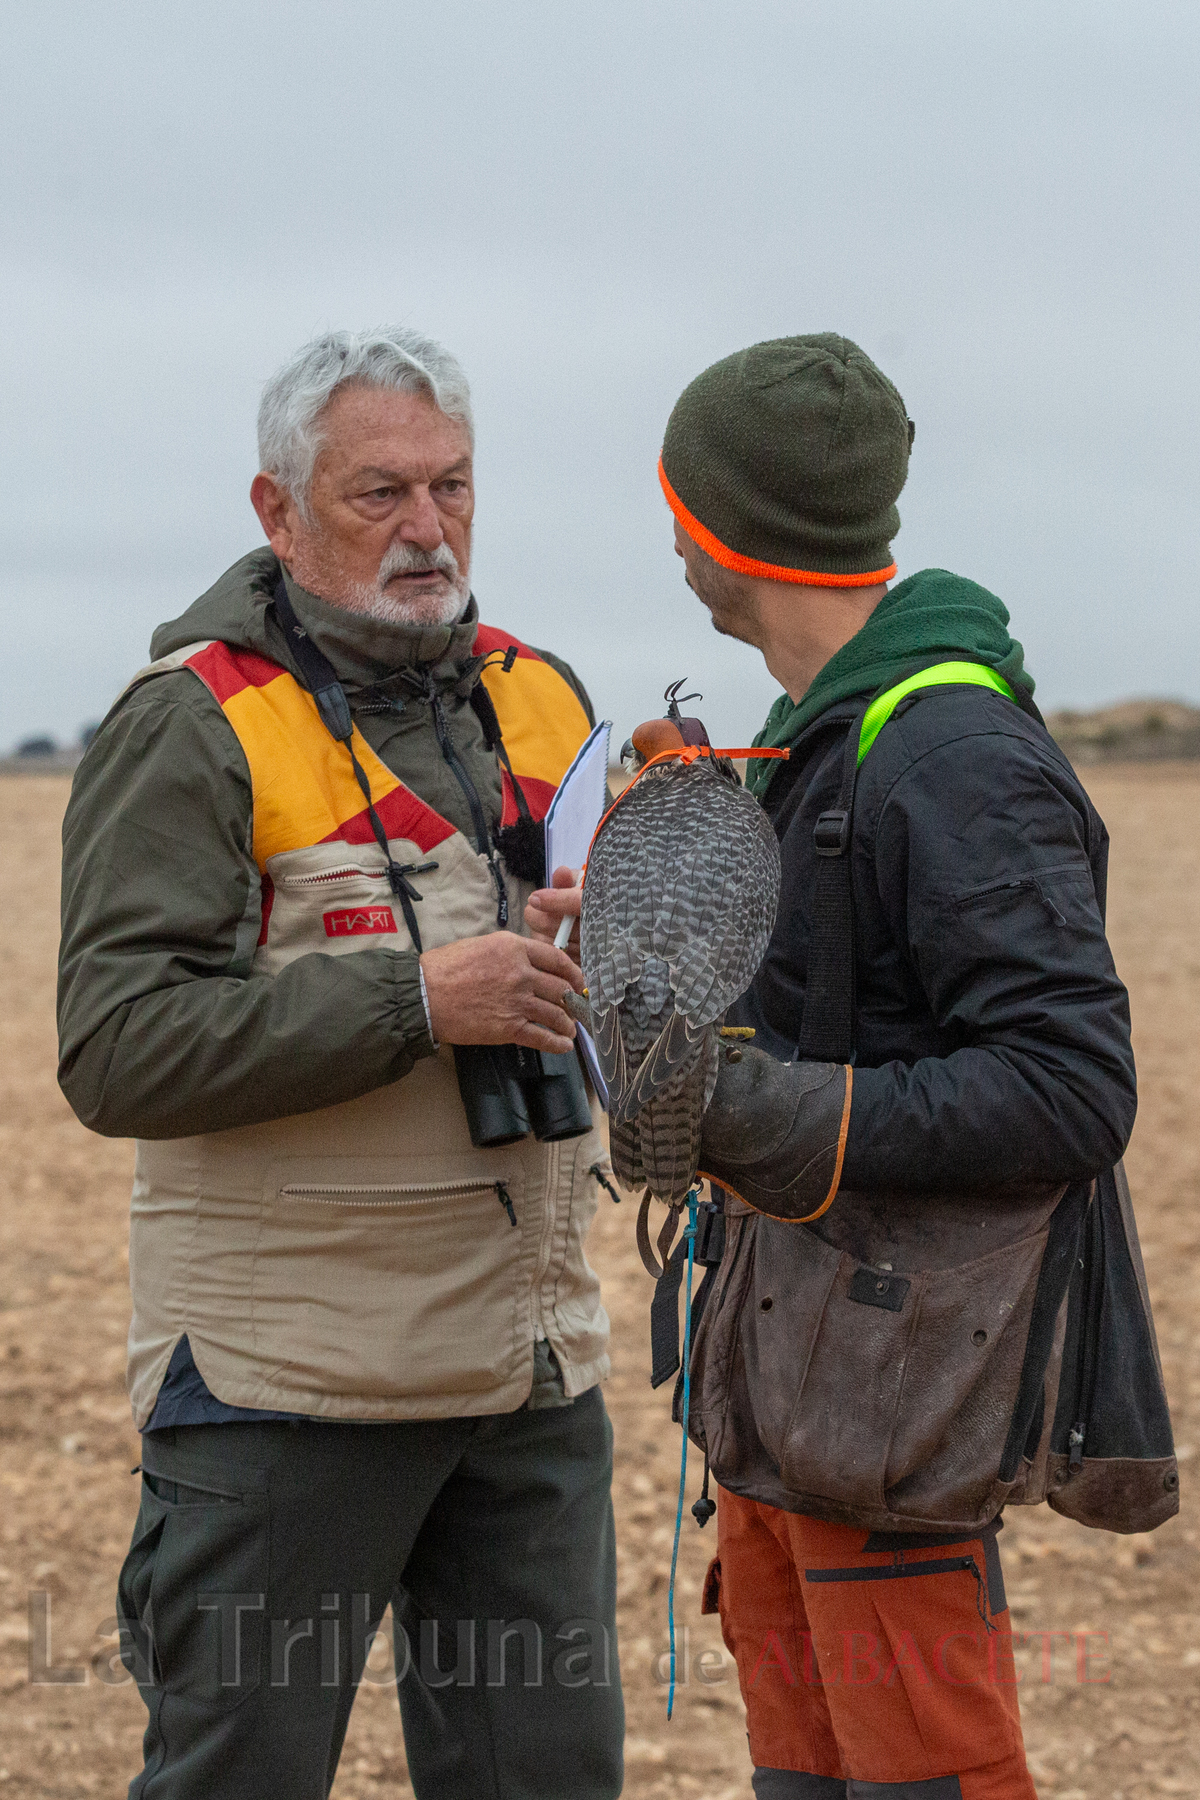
x=574, y=814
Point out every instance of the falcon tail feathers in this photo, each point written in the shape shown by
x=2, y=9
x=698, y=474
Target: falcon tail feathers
x=610, y=1048
x=662, y=1064
x=669, y=1137
x=625, y=1153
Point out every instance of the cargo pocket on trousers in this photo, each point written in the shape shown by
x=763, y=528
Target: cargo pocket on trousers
x=192, y=1592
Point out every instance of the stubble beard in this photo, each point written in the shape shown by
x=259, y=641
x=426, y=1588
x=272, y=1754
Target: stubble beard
x=729, y=606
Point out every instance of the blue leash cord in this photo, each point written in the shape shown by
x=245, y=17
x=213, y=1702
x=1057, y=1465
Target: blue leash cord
x=690, y=1238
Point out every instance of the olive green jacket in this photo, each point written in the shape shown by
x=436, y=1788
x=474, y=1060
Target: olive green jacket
x=163, y=1032
x=308, y=1208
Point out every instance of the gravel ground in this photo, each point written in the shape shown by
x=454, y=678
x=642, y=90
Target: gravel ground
x=1130, y=1731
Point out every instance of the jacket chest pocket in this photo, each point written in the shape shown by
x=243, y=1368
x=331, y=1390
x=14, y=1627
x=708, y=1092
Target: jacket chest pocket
x=348, y=907
x=369, y=1285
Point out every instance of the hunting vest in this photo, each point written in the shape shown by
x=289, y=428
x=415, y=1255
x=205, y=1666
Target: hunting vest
x=365, y=1261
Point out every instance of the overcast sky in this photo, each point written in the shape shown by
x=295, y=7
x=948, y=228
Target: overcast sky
x=589, y=203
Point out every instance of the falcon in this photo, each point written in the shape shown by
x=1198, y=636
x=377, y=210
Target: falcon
x=679, y=899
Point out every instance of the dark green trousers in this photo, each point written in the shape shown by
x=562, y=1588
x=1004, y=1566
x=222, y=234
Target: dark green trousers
x=263, y=1558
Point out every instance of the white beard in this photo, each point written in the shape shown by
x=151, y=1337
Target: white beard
x=374, y=602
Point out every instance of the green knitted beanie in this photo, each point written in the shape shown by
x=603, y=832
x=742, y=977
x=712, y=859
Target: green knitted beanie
x=786, y=460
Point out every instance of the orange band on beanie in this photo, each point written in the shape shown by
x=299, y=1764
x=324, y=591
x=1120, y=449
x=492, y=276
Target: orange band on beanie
x=750, y=565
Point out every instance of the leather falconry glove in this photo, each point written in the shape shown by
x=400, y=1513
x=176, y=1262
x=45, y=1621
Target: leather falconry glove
x=775, y=1133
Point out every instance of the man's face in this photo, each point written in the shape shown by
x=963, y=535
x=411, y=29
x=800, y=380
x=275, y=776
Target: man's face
x=730, y=598
x=391, y=506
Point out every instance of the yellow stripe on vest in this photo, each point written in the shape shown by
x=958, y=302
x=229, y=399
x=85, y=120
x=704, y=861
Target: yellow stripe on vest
x=304, y=785
x=541, y=720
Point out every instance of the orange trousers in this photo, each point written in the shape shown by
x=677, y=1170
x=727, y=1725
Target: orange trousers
x=876, y=1660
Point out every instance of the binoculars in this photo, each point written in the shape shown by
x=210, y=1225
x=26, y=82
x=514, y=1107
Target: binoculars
x=508, y=1091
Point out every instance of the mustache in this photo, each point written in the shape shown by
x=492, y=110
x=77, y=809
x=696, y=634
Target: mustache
x=408, y=559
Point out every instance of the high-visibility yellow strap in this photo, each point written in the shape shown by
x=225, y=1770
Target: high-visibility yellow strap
x=947, y=674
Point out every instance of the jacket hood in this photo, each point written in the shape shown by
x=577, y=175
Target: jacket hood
x=363, y=651
x=929, y=613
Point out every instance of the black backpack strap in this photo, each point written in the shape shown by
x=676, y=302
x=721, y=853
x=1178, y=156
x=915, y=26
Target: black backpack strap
x=827, y=1026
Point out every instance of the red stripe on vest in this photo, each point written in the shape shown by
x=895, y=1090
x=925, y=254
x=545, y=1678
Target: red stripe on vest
x=402, y=816
x=538, y=795
x=489, y=639
x=226, y=672
x=359, y=921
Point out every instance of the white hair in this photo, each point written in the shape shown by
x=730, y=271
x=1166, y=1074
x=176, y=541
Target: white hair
x=289, y=435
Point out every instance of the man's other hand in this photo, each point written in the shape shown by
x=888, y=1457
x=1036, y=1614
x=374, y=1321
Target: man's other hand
x=546, y=909
x=500, y=989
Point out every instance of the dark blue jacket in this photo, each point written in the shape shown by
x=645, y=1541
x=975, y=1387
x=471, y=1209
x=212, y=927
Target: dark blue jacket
x=991, y=1029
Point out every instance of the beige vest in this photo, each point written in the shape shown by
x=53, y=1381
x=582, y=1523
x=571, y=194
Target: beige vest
x=359, y=1262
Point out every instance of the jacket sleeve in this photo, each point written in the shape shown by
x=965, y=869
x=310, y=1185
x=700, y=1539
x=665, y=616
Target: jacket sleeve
x=164, y=1031
x=982, y=866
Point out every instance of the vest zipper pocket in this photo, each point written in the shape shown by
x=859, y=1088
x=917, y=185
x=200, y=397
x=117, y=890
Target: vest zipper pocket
x=393, y=1194
x=328, y=875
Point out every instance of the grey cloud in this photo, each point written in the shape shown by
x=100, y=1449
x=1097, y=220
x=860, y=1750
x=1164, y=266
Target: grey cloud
x=589, y=205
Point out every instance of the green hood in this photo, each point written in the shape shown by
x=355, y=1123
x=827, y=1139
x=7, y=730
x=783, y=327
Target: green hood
x=929, y=612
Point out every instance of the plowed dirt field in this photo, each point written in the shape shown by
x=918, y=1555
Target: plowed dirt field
x=1111, y=1704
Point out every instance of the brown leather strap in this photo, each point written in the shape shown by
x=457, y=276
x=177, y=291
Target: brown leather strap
x=666, y=1236
x=643, y=1238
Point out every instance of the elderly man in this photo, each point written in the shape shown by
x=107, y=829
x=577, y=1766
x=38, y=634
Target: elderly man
x=366, y=1342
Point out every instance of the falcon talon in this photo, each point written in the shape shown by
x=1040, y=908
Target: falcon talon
x=576, y=1007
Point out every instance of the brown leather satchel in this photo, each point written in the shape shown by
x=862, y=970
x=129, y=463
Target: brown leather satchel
x=916, y=1362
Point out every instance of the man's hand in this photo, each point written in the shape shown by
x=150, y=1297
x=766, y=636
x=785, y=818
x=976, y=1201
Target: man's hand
x=500, y=989
x=546, y=909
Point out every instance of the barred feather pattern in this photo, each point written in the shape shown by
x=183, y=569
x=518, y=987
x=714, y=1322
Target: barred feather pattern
x=679, y=902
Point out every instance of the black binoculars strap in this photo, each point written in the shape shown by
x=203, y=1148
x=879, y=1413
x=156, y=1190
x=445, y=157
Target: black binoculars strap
x=318, y=676
x=523, y=842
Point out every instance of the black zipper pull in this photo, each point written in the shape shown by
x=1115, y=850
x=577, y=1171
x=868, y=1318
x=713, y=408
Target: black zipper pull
x=505, y=1199
x=607, y=1185
x=982, y=1597
x=501, y=890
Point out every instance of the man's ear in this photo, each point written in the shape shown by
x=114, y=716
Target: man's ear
x=276, y=509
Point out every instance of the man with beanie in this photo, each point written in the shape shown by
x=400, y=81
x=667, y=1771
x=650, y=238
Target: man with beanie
x=941, y=1044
